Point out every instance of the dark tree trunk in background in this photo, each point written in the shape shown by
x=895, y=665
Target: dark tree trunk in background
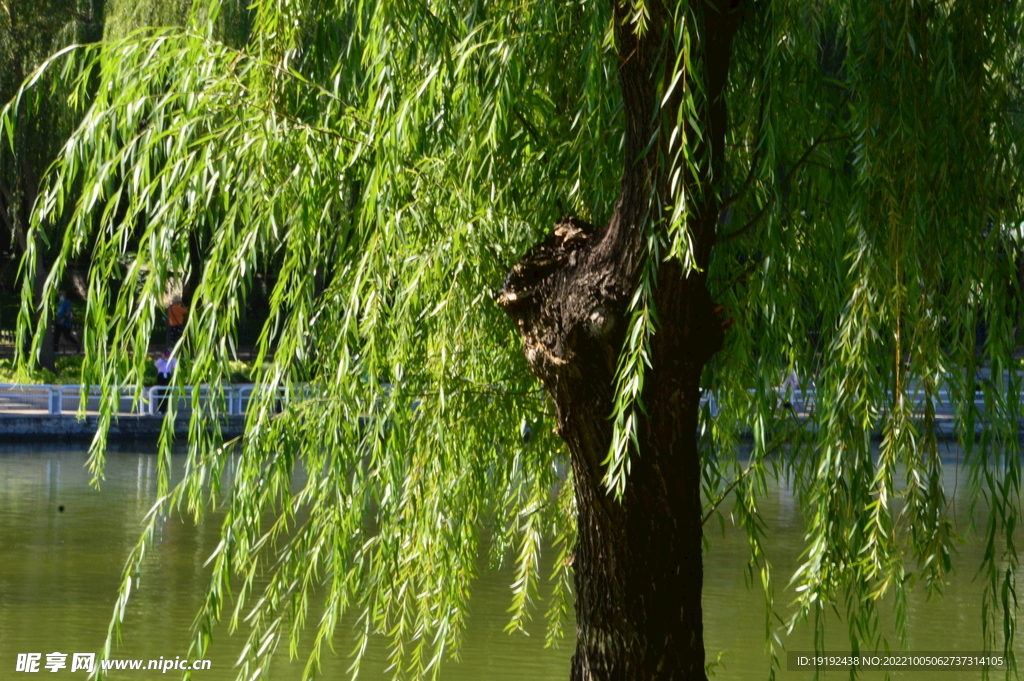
x=194, y=273
x=20, y=210
x=638, y=562
x=24, y=185
x=33, y=30
x=46, y=354
x=91, y=20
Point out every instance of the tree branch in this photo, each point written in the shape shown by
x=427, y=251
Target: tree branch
x=532, y=131
x=5, y=206
x=739, y=277
x=764, y=209
x=818, y=142
x=754, y=162
x=768, y=453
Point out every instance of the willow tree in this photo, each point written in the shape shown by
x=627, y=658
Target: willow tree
x=459, y=199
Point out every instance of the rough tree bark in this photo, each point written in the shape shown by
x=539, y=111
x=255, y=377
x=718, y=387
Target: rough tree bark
x=638, y=568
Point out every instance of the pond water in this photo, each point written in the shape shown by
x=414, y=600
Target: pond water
x=59, y=572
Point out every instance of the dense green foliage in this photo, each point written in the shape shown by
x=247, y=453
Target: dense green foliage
x=29, y=33
x=389, y=161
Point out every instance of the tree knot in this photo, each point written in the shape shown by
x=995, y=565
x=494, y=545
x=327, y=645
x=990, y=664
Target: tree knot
x=551, y=255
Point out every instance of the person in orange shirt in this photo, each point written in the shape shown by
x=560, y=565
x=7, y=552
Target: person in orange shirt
x=175, y=320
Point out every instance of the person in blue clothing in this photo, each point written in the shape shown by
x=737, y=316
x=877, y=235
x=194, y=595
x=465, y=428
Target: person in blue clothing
x=62, y=324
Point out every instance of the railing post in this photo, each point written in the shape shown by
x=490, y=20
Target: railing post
x=56, y=400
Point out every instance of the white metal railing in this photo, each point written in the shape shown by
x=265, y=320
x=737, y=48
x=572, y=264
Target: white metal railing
x=58, y=399
x=67, y=399
x=21, y=397
x=235, y=399
x=806, y=400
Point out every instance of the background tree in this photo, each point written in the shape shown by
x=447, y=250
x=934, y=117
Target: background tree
x=29, y=33
x=842, y=176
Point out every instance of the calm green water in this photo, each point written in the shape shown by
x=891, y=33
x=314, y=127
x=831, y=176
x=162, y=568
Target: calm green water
x=59, y=573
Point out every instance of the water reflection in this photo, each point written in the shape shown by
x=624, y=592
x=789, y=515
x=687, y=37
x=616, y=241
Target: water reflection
x=59, y=573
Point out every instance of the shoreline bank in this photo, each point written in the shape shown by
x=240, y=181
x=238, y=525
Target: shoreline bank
x=42, y=428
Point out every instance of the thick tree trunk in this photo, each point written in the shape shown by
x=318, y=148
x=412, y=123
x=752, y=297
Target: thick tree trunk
x=638, y=562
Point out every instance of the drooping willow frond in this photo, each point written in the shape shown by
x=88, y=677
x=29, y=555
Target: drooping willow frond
x=306, y=158
x=382, y=165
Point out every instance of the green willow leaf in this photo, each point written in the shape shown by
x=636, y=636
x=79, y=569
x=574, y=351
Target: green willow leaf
x=374, y=169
